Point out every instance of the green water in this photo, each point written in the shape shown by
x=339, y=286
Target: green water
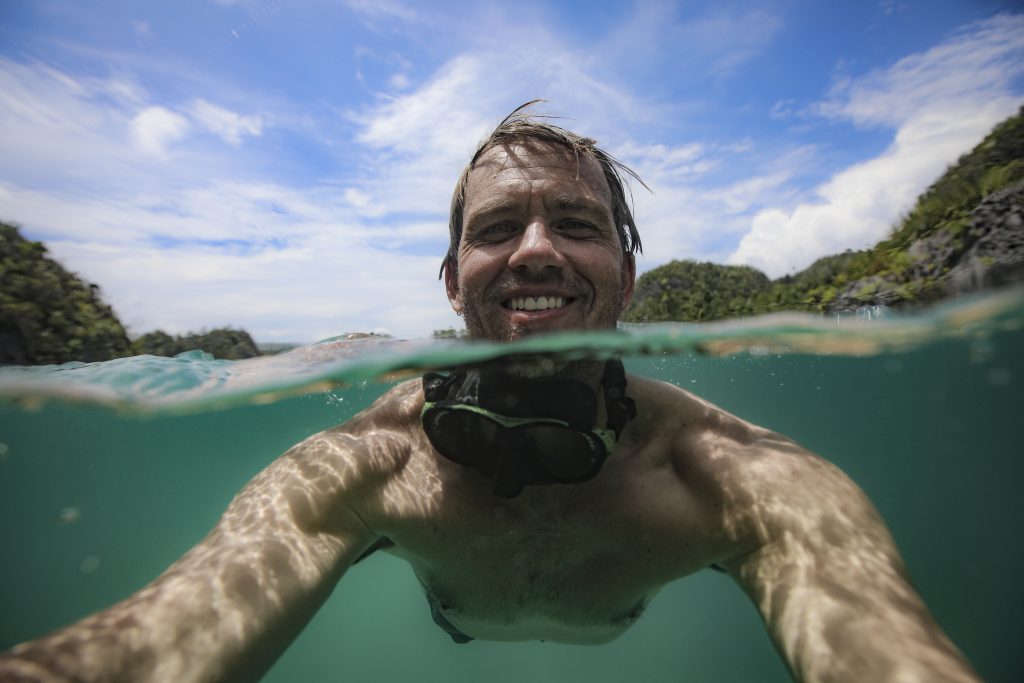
x=109, y=473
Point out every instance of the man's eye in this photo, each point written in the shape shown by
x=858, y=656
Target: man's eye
x=574, y=226
x=499, y=229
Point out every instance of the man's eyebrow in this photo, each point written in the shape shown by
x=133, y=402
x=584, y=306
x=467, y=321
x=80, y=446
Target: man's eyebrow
x=494, y=205
x=562, y=202
x=578, y=204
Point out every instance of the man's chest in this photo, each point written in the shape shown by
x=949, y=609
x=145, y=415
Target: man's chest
x=574, y=563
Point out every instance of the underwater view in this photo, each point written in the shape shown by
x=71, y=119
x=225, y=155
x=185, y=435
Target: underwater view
x=110, y=471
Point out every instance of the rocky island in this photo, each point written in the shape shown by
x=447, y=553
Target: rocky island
x=964, y=234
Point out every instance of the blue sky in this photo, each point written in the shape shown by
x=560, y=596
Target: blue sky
x=286, y=166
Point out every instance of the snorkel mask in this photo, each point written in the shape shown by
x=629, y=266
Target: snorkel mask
x=520, y=432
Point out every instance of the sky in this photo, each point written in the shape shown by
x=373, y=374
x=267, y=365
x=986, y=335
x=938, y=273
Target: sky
x=286, y=166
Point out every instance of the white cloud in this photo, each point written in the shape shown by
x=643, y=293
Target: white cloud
x=974, y=64
x=228, y=125
x=383, y=9
x=419, y=141
x=319, y=288
x=942, y=102
x=154, y=129
x=425, y=121
x=286, y=264
x=399, y=81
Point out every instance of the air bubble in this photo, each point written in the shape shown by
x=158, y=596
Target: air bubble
x=998, y=376
x=69, y=515
x=89, y=564
x=980, y=351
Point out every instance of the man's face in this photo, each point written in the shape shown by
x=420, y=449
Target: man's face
x=539, y=251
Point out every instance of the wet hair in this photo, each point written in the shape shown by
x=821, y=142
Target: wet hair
x=520, y=126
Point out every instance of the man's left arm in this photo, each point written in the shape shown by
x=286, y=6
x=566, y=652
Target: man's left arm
x=827, y=577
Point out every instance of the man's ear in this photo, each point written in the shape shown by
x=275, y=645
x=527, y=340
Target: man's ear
x=628, y=278
x=451, y=286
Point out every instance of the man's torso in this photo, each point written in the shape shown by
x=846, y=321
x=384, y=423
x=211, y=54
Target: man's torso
x=571, y=563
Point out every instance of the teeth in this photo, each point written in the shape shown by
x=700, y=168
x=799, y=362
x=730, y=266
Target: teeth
x=540, y=303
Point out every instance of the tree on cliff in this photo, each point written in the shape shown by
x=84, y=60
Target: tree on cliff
x=48, y=315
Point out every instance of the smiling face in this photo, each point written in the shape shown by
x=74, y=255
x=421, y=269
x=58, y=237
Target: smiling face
x=540, y=251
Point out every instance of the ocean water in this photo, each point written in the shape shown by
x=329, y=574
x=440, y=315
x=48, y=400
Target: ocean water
x=109, y=472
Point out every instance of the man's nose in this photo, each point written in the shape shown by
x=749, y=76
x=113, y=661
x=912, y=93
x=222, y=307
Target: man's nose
x=537, y=248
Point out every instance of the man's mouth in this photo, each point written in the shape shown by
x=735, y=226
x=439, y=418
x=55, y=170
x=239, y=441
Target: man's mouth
x=536, y=303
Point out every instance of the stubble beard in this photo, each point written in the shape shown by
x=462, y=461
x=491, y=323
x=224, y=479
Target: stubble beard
x=533, y=366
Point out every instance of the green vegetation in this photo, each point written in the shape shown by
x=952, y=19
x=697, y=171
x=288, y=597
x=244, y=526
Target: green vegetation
x=687, y=290
x=890, y=272
x=48, y=315
x=223, y=342
x=994, y=164
x=450, y=333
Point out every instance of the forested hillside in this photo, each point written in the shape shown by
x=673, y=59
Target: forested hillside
x=965, y=233
x=49, y=315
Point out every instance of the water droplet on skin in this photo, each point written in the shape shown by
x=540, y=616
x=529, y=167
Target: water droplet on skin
x=89, y=564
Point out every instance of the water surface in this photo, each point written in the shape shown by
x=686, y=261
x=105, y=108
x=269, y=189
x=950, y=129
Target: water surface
x=109, y=472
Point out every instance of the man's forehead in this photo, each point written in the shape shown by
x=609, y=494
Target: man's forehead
x=538, y=161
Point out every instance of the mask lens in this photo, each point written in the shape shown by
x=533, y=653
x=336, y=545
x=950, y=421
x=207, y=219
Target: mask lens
x=566, y=453
x=460, y=435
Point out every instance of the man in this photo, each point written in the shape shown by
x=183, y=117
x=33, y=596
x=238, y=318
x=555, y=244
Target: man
x=521, y=515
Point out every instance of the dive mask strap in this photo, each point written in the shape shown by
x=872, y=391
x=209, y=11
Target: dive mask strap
x=620, y=408
x=437, y=387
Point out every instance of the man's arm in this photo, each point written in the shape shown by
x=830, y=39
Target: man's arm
x=827, y=577
x=229, y=607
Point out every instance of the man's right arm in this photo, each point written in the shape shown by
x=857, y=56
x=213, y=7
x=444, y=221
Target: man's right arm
x=826, y=575
x=230, y=606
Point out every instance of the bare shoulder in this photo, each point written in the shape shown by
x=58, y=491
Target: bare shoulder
x=350, y=466
x=764, y=483
x=697, y=427
x=384, y=429
x=395, y=409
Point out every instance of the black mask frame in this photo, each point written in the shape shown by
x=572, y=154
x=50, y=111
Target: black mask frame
x=520, y=432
